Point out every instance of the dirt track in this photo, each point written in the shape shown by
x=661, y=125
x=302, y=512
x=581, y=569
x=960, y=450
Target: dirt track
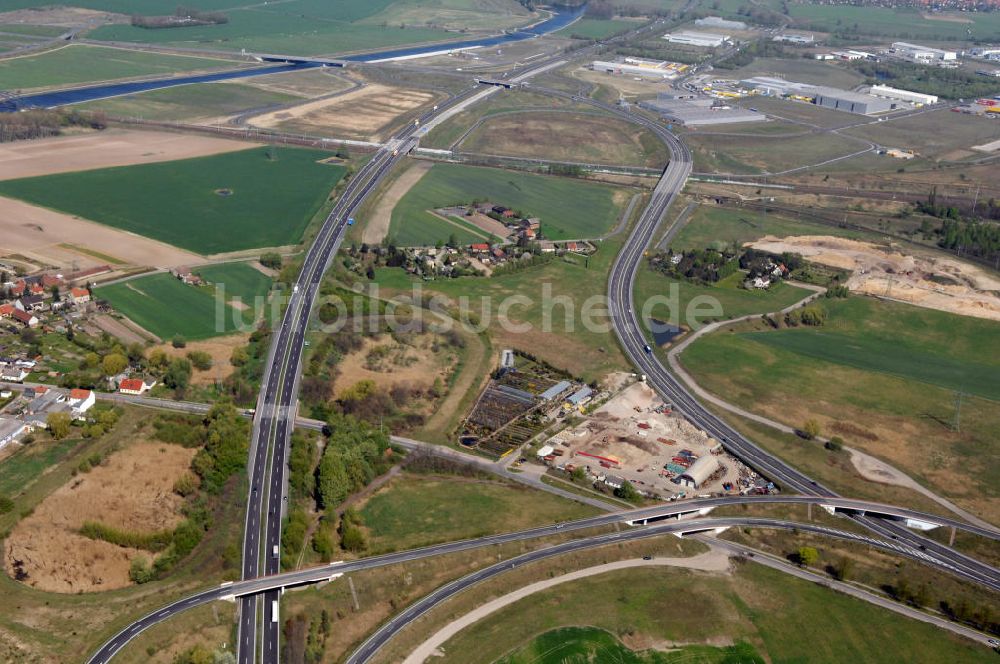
x=713, y=561
x=112, y=147
x=377, y=226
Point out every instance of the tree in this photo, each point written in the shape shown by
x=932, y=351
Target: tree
x=810, y=429
x=835, y=444
x=113, y=364
x=201, y=360
x=178, y=374
x=58, y=424
x=352, y=538
x=806, y=555
x=239, y=356
x=579, y=474
x=271, y=259
x=628, y=492
x=842, y=570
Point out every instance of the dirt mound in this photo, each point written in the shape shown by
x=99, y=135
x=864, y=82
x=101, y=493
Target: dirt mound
x=933, y=282
x=132, y=490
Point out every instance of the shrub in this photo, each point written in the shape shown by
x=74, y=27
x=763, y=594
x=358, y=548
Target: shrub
x=201, y=360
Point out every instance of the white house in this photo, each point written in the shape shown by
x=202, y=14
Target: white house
x=80, y=401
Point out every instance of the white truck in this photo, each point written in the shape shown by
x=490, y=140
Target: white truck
x=274, y=551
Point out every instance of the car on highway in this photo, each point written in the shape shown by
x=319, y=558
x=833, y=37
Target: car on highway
x=649, y=351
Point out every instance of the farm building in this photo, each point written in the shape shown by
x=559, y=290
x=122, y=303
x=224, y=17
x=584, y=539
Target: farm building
x=902, y=95
x=10, y=429
x=133, y=386
x=580, y=396
x=852, y=102
x=555, y=390
x=700, y=471
x=692, y=38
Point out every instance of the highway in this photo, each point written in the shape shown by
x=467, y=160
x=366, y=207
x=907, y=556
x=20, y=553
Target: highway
x=630, y=332
x=273, y=583
x=275, y=412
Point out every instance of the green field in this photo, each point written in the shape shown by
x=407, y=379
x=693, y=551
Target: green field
x=182, y=202
x=800, y=70
x=23, y=467
x=753, y=154
x=166, y=307
x=568, y=208
x=785, y=620
x=932, y=134
x=695, y=304
x=902, y=23
x=187, y=102
x=418, y=510
x=83, y=64
x=885, y=377
x=587, y=644
x=31, y=30
x=592, y=28
x=588, y=351
x=297, y=26
x=711, y=226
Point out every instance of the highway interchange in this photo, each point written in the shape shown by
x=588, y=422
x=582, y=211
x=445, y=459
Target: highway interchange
x=258, y=631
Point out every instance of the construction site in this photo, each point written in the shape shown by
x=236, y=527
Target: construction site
x=635, y=436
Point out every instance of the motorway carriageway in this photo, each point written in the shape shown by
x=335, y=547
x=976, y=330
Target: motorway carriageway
x=56, y=98
x=231, y=590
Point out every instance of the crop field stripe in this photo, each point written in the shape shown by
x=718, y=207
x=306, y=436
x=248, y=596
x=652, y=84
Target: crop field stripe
x=894, y=357
x=260, y=197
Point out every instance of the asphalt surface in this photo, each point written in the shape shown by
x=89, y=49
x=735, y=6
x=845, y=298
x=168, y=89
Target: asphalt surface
x=271, y=584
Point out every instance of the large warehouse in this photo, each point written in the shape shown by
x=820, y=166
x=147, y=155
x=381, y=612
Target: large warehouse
x=778, y=87
x=902, y=95
x=921, y=54
x=699, y=111
x=654, y=69
x=692, y=38
x=852, y=102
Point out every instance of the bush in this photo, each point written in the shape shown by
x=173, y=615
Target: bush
x=154, y=541
x=810, y=429
x=140, y=570
x=178, y=342
x=201, y=360
x=6, y=504
x=353, y=539
x=835, y=444
x=271, y=259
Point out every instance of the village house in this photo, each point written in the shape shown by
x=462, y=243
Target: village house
x=79, y=295
x=134, y=386
x=24, y=318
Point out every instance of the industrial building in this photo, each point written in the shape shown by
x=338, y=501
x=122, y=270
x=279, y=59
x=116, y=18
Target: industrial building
x=700, y=111
x=699, y=471
x=795, y=38
x=653, y=69
x=852, y=102
x=902, y=95
x=720, y=23
x=779, y=87
x=692, y=38
x=921, y=54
